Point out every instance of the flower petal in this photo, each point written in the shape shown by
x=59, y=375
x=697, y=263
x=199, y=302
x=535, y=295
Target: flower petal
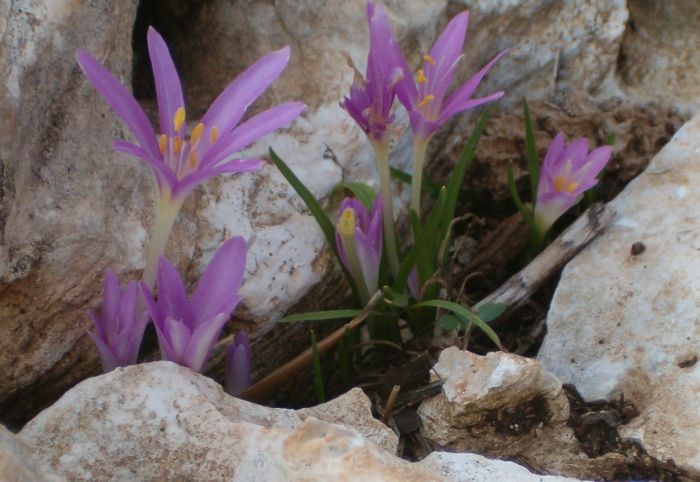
x=164, y=175
x=232, y=103
x=127, y=307
x=177, y=335
x=448, y=47
x=109, y=363
x=251, y=130
x=238, y=364
x=455, y=102
x=172, y=299
x=217, y=290
x=168, y=88
x=554, y=152
x=121, y=101
x=202, y=341
x=195, y=178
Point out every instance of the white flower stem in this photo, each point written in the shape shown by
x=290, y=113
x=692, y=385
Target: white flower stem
x=381, y=153
x=166, y=212
x=420, y=146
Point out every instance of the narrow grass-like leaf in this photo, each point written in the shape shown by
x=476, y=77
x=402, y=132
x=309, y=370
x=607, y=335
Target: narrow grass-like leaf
x=525, y=211
x=427, y=185
x=320, y=315
x=318, y=376
x=465, y=159
x=316, y=210
x=429, y=230
x=362, y=191
x=490, y=311
x=533, y=164
x=449, y=322
x=462, y=312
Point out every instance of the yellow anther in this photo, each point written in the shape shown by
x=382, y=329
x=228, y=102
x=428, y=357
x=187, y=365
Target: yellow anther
x=179, y=118
x=429, y=59
x=421, y=78
x=192, y=159
x=196, y=134
x=346, y=223
x=562, y=184
x=425, y=100
x=213, y=135
x=163, y=143
x=178, y=145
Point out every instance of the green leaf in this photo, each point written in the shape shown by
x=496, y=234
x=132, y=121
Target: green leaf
x=490, y=311
x=320, y=315
x=463, y=312
x=420, y=242
x=318, y=377
x=316, y=210
x=465, y=159
x=398, y=299
x=533, y=164
x=525, y=211
x=611, y=138
x=427, y=185
x=449, y=322
x=362, y=191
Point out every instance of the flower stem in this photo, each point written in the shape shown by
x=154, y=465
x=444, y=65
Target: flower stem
x=381, y=153
x=166, y=212
x=420, y=146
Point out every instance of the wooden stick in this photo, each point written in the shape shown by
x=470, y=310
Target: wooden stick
x=266, y=387
x=519, y=287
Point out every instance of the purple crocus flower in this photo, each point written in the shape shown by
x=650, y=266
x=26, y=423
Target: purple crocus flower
x=118, y=332
x=371, y=98
x=188, y=329
x=180, y=164
x=238, y=364
x=567, y=171
x=358, y=237
x=426, y=98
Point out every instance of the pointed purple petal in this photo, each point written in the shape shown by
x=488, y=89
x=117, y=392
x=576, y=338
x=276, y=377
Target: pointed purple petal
x=121, y=101
x=151, y=305
x=195, y=178
x=106, y=357
x=110, y=303
x=178, y=336
x=217, y=290
x=577, y=152
x=203, y=340
x=448, y=47
x=455, y=102
x=554, y=152
x=164, y=175
x=238, y=364
x=251, y=130
x=172, y=298
x=168, y=89
x=232, y=103
x=127, y=307
x=470, y=104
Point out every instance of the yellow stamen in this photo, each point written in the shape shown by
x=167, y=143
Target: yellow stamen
x=562, y=184
x=196, y=134
x=425, y=100
x=429, y=59
x=421, y=78
x=163, y=143
x=346, y=223
x=178, y=145
x=192, y=159
x=213, y=135
x=179, y=118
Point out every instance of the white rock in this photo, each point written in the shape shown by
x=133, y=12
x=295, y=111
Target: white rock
x=621, y=324
x=17, y=462
x=476, y=468
x=507, y=406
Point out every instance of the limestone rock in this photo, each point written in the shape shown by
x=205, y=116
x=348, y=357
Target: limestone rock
x=626, y=324
x=160, y=421
x=507, y=406
x=658, y=56
x=16, y=461
x=458, y=467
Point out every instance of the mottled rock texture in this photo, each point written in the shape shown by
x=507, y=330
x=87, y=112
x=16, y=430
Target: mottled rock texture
x=626, y=322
